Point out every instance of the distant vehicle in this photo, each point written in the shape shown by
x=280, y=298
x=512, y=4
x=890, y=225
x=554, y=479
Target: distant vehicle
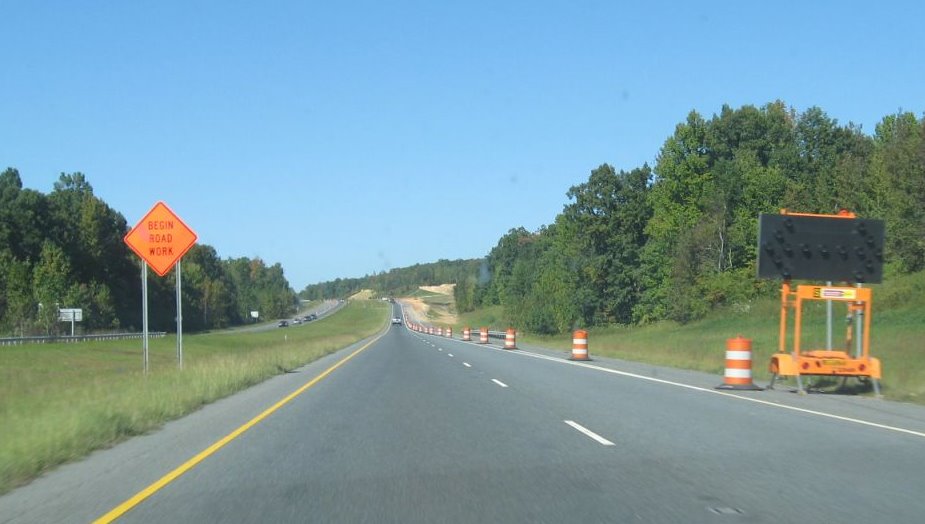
x=396, y=320
x=297, y=320
x=282, y=323
x=313, y=317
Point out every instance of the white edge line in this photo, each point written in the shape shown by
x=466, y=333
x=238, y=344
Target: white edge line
x=717, y=392
x=498, y=382
x=724, y=394
x=587, y=432
x=449, y=354
x=714, y=392
x=468, y=365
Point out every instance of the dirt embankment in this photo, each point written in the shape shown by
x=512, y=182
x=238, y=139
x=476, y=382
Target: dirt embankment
x=437, y=307
x=364, y=294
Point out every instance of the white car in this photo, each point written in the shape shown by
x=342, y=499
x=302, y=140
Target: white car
x=396, y=320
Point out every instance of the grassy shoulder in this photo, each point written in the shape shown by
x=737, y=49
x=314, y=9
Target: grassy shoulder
x=898, y=328
x=59, y=402
x=490, y=317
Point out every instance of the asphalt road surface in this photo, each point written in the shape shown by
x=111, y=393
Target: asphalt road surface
x=417, y=428
x=326, y=308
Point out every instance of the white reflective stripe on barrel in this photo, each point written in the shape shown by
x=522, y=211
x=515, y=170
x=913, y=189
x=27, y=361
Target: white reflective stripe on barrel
x=738, y=355
x=738, y=373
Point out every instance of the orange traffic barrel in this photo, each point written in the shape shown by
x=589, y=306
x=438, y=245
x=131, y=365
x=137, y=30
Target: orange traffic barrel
x=483, y=335
x=738, y=373
x=449, y=332
x=510, y=339
x=467, y=333
x=580, y=345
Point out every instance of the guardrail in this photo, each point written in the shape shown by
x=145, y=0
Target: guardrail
x=15, y=341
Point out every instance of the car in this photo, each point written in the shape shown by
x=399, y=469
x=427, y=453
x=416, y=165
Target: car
x=396, y=320
x=313, y=317
x=297, y=320
x=282, y=323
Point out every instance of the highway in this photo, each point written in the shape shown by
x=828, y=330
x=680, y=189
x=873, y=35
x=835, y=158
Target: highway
x=326, y=308
x=416, y=428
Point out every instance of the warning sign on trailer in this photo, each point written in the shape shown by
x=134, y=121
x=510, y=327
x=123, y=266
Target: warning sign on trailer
x=161, y=238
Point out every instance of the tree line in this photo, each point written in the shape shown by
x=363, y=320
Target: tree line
x=396, y=281
x=678, y=239
x=65, y=250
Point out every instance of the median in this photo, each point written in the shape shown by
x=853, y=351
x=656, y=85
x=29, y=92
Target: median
x=59, y=402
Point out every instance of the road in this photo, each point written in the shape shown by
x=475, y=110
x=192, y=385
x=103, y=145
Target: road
x=328, y=307
x=417, y=428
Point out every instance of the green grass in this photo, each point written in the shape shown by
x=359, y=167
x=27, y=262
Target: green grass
x=897, y=333
x=898, y=327
x=490, y=317
x=439, y=300
x=58, y=402
x=419, y=293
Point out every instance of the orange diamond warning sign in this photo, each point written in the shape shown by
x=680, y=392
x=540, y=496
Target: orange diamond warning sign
x=161, y=238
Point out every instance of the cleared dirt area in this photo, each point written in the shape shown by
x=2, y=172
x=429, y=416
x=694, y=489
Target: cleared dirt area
x=365, y=294
x=437, y=308
x=442, y=289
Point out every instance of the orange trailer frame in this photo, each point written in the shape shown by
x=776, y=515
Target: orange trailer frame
x=826, y=362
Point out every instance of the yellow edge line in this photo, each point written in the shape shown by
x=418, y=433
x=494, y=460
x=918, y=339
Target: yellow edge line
x=124, y=508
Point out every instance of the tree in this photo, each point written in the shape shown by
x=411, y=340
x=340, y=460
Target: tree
x=898, y=165
x=20, y=305
x=602, y=234
x=682, y=173
x=51, y=277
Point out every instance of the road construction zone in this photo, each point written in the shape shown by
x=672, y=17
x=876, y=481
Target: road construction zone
x=829, y=361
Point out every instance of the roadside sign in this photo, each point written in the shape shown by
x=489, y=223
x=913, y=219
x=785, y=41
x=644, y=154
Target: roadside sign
x=71, y=315
x=160, y=238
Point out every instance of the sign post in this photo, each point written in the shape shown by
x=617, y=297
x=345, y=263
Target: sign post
x=144, y=314
x=71, y=315
x=179, y=320
x=161, y=239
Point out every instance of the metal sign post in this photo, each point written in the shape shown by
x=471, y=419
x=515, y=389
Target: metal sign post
x=179, y=320
x=161, y=239
x=828, y=321
x=72, y=315
x=144, y=313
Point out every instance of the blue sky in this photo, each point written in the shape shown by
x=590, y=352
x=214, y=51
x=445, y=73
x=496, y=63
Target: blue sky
x=346, y=138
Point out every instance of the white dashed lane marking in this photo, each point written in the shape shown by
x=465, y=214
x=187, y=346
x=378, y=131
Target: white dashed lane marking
x=587, y=432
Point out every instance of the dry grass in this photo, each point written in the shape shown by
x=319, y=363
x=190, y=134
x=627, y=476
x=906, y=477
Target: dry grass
x=59, y=402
